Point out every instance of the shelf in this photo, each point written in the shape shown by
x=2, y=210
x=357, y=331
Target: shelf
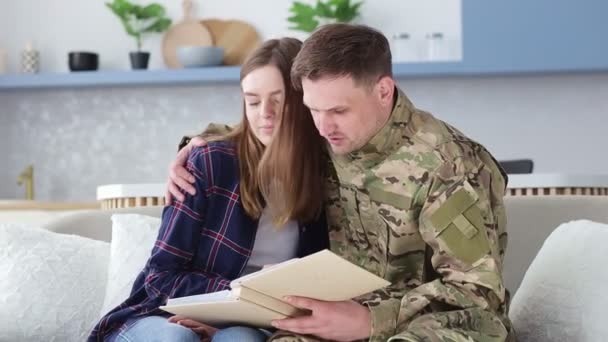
x=120, y=78
x=202, y=76
x=230, y=74
x=517, y=37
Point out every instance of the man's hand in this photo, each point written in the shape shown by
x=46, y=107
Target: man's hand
x=336, y=321
x=179, y=177
x=205, y=331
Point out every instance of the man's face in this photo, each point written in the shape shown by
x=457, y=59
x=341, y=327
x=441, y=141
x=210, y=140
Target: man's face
x=347, y=114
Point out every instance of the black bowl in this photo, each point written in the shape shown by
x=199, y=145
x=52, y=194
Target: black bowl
x=83, y=61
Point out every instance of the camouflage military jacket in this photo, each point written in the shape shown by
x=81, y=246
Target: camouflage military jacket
x=421, y=205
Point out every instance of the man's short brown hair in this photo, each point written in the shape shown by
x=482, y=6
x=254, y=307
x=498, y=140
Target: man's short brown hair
x=337, y=50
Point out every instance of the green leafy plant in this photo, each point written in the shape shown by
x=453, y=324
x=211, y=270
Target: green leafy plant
x=139, y=20
x=307, y=17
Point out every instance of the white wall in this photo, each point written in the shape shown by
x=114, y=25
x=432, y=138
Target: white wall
x=81, y=138
x=4, y=36
x=560, y=121
x=59, y=26
x=78, y=139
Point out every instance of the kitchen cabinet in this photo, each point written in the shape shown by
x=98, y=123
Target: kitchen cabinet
x=521, y=36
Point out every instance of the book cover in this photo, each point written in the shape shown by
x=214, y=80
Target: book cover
x=257, y=298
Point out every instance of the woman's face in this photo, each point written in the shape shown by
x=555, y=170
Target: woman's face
x=264, y=93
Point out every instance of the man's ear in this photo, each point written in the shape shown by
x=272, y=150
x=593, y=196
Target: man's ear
x=385, y=90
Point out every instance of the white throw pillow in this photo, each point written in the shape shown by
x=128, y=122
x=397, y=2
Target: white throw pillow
x=133, y=237
x=563, y=294
x=51, y=286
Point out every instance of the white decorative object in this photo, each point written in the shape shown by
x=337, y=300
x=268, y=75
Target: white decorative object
x=51, y=285
x=133, y=237
x=30, y=60
x=435, y=46
x=563, y=294
x=403, y=48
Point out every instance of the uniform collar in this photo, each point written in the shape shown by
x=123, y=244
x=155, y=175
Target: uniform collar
x=386, y=141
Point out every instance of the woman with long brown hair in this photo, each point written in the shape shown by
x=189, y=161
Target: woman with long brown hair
x=257, y=202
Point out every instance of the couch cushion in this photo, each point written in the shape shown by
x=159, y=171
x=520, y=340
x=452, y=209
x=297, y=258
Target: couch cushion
x=133, y=237
x=52, y=285
x=530, y=220
x=563, y=294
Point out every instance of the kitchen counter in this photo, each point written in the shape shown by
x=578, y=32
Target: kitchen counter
x=38, y=213
x=41, y=205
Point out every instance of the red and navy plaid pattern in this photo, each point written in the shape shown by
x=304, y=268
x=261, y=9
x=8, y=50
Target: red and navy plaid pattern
x=203, y=242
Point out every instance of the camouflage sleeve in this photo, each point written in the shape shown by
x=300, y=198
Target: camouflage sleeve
x=212, y=129
x=461, y=220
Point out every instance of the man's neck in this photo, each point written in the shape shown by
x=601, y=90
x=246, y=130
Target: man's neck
x=381, y=144
x=385, y=115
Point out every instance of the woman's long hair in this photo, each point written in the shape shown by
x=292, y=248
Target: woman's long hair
x=288, y=175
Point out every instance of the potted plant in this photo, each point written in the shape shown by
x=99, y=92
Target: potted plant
x=307, y=17
x=137, y=21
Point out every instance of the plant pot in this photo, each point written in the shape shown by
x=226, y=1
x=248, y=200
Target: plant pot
x=83, y=61
x=139, y=60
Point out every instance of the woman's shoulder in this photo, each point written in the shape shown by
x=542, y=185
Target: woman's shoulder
x=217, y=160
x=215, y=151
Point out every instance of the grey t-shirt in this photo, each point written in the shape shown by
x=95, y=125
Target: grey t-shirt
x=272, y=244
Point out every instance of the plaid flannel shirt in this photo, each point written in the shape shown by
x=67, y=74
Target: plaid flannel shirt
x=203, y=243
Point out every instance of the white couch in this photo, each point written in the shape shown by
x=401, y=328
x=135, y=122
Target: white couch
x=530, y=221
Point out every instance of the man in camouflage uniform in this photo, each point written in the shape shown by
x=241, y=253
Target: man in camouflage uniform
x=412, y=200
x=421, y=205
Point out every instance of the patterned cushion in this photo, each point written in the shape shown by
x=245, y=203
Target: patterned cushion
x=563, y=294
x=51, y=285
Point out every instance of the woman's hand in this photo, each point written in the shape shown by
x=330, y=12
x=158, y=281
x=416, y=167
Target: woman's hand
x=205, y=331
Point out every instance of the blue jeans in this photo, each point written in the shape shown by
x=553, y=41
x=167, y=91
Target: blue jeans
x=240, y=334
x=158, y=329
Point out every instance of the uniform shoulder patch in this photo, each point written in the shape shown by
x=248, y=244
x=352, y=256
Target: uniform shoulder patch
x=459, y=225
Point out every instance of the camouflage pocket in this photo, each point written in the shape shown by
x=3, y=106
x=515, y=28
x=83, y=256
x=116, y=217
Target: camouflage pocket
x=459, y=226
x=396, y=200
